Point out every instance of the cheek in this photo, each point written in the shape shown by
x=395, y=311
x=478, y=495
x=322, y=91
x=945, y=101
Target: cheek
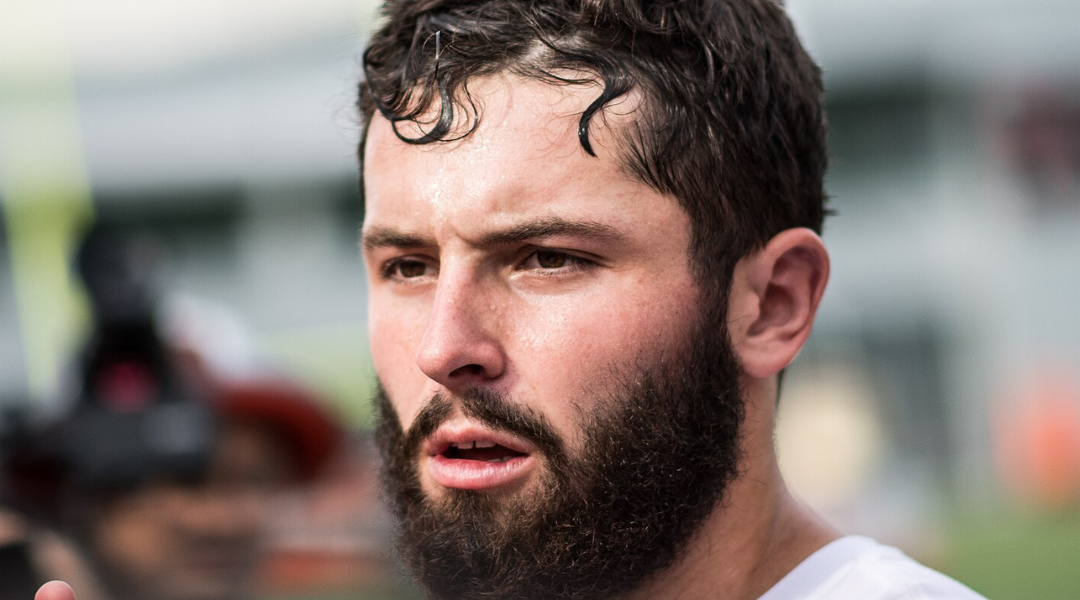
x=395, y=329
x=566, y=349
x=636, y=318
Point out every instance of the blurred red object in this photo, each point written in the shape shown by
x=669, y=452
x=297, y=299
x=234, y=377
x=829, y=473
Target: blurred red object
x=295, y=414
x=1037, y=438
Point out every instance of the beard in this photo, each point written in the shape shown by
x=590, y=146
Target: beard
x=660, y=446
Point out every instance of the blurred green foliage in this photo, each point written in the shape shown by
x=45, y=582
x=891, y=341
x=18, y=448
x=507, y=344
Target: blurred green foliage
x=1013, y=555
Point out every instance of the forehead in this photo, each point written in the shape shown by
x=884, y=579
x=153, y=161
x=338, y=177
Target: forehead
x=524, y=157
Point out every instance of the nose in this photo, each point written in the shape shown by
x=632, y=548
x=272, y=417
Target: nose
x=460, y=347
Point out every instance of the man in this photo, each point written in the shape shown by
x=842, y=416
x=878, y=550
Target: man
x=592, y=242
x=171, y=531
x=160, y=471
x=592, y=245
x=177, y=532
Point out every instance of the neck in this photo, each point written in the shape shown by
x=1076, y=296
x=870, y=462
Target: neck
x=757, y=534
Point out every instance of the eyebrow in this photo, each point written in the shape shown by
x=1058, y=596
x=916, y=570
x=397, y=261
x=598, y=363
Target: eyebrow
x=545, y=228
x=386, y=237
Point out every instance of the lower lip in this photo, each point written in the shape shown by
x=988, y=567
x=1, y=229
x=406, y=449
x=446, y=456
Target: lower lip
x=475, y=474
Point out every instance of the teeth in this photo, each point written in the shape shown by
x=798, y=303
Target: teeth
x=471, y=445
x=498, y=460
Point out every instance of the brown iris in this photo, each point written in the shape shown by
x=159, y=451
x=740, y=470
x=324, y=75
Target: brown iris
x=412, y=268
x=550, y=260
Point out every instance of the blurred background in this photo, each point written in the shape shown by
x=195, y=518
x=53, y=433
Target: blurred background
x=936, y=408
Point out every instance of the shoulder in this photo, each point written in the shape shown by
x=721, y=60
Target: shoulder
x=885, y=573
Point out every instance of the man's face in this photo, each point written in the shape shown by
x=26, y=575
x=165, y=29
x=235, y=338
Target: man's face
x=552, y=388
x=463, y=294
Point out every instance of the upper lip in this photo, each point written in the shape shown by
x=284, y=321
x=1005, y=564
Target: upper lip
x=463, y=432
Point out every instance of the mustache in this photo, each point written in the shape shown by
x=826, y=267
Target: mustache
x=489, y=408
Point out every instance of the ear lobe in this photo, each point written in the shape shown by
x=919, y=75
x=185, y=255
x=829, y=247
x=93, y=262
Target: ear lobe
x=775, y=295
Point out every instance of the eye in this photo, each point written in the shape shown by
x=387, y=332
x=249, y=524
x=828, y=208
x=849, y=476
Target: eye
x=550, y=259
x=406, y=268
x=554, y=260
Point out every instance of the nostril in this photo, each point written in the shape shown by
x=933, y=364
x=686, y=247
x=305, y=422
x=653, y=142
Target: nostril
x=453, y=351
x=472, y=369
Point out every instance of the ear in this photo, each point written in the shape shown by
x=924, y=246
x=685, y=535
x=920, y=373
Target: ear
x=775, y=294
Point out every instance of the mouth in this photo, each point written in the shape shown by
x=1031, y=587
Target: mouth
x=481, y=450
x=470, y=458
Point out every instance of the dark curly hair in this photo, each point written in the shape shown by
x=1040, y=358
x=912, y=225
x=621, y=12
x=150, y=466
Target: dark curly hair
x=731, y=124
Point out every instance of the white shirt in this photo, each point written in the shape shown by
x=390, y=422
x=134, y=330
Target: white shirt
x=858, y=568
